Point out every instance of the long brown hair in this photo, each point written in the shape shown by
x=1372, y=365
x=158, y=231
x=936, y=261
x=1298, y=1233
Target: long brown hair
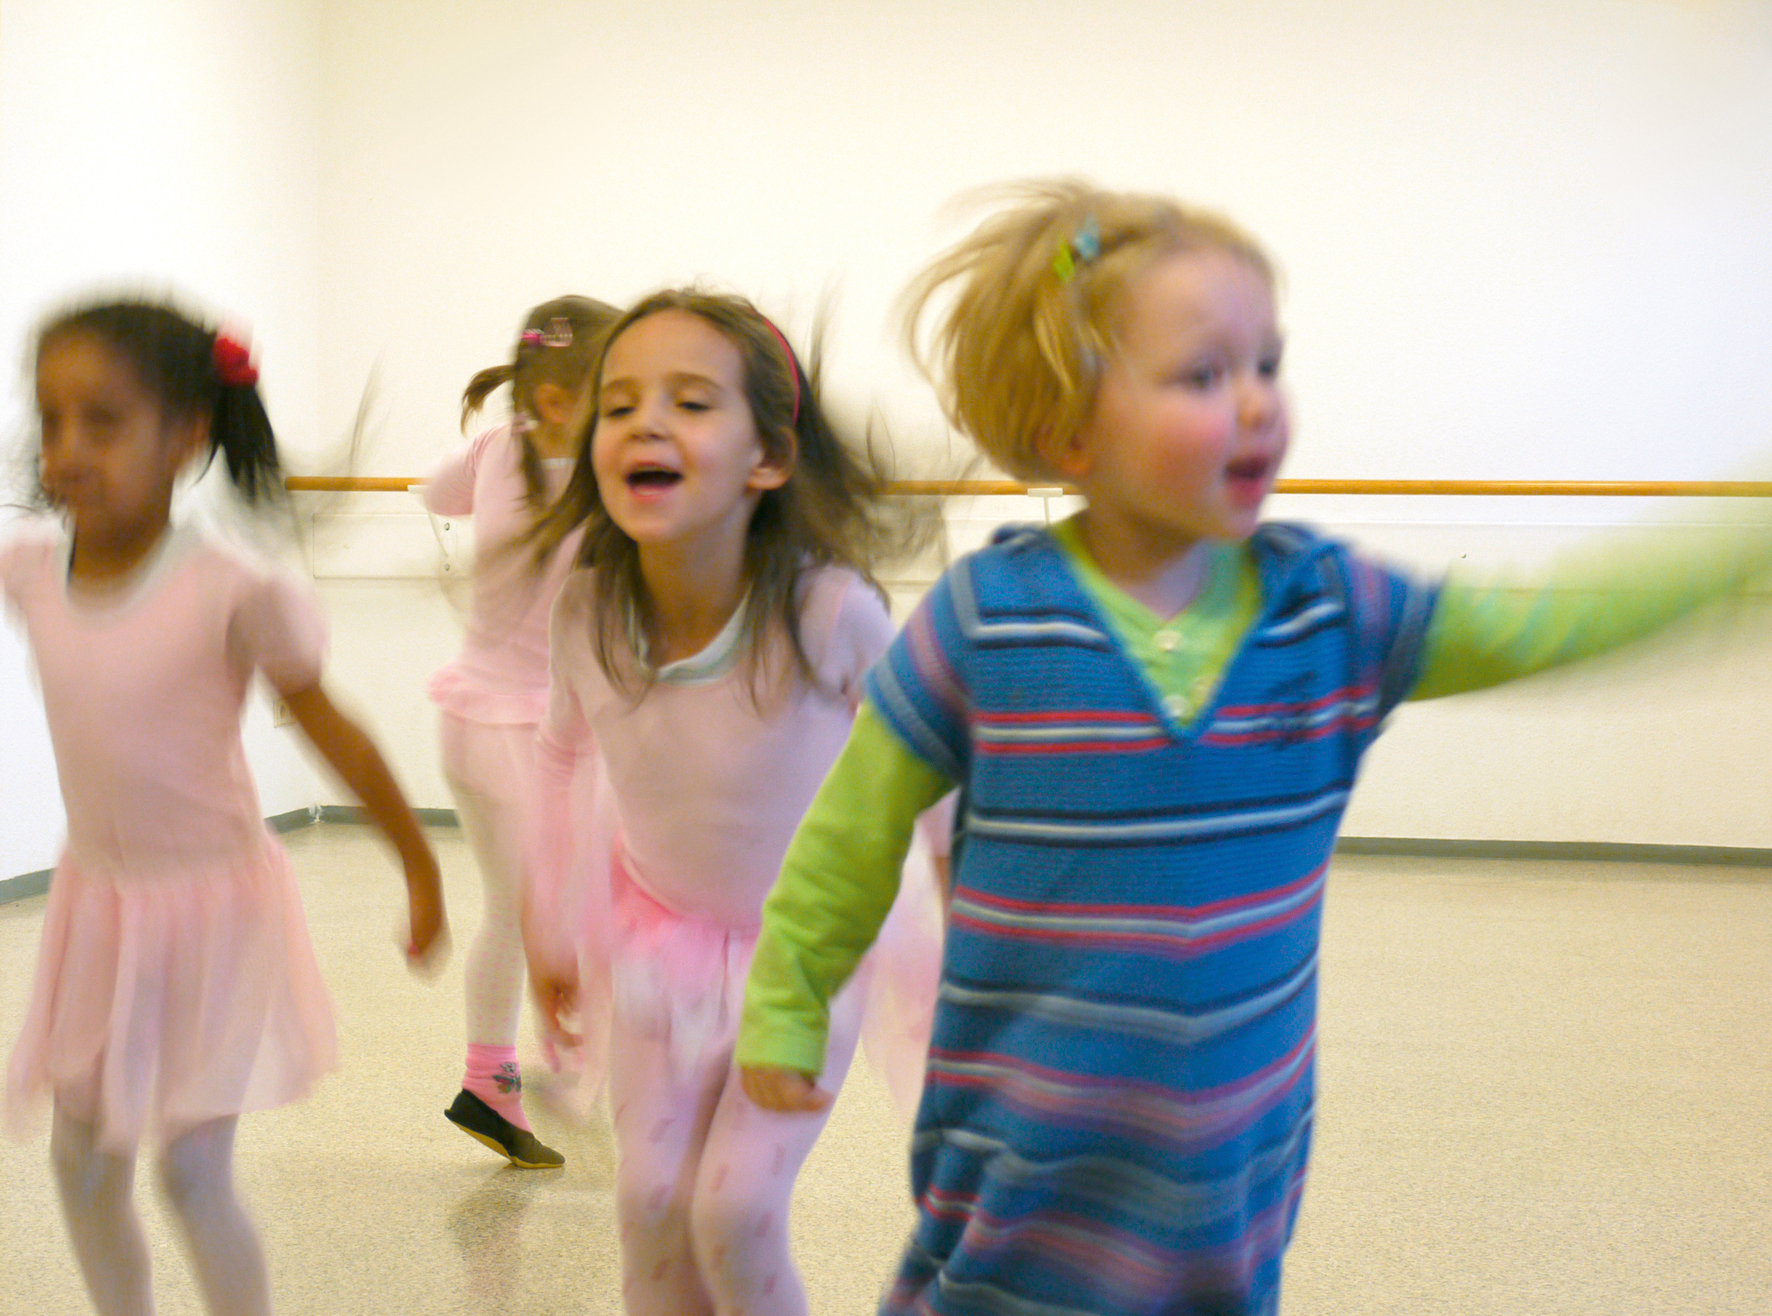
x=828, y=513
x=557, y=345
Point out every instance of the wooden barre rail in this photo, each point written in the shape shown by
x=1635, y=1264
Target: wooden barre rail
x=1417, y=488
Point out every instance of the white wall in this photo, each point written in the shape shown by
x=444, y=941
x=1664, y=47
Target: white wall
x=1519, y=240
x=158, y=145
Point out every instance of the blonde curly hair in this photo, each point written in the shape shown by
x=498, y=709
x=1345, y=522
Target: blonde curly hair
x=1017, y=355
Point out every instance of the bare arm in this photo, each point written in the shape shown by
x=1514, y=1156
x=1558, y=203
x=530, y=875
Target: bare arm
x=359, y=764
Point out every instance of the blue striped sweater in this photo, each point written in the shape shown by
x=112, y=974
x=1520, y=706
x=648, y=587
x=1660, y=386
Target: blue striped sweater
x=1118, y=1106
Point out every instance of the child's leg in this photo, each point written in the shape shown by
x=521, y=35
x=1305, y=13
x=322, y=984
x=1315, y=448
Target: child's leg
x=98, y=1201
x=489, y=770
x=197, y=1174
x=748, y=1167
x=661, y=1120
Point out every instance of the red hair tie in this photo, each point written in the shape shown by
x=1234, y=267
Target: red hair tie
x=233, y=362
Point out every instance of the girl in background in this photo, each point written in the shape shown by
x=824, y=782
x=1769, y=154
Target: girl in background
x=1156, y=711
x=176, y=986
x=492, y=696
x=711, y=647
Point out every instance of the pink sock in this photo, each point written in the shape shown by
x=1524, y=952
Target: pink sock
x=492, y=1075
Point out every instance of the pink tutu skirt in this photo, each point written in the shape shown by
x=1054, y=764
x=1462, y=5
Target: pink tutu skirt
x=161, y=1002
x=674, y=976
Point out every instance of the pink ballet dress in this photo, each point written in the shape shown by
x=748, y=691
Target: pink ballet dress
x=711, y=773
x=175, y=981
x=501, y=675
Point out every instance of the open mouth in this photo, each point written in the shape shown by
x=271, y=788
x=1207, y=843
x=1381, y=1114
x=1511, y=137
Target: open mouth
x=652, y=478
x=1249, y=470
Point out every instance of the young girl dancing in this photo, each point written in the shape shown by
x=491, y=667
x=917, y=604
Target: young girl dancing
x=492, y=696
x=176, y=986
x=1156, y=711
x=713, y=648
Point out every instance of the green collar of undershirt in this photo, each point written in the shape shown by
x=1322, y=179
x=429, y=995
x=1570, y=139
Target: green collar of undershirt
x=1185, y=655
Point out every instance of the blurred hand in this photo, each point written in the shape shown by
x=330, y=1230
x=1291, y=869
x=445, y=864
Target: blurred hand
x=429, y=942
x=556, y=996
x=774, y=1088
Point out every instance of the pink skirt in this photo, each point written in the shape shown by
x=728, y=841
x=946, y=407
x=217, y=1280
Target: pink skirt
x=164, y=1002
x=679, y=978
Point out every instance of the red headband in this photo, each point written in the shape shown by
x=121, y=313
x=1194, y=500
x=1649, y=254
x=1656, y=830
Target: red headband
x=793, y=365
x=233, y=362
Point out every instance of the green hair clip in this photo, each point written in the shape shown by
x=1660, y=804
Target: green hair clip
x=1078, y=252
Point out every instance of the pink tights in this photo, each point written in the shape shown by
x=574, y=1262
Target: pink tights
x=490, y=770
x=704, y=1178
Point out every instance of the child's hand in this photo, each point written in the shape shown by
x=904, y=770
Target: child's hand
x=556, y=995
x=429, y=940
x=775, y=1088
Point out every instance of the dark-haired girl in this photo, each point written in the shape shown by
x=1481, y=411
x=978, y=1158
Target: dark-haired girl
x=176, y=986
x=491, y=697
x=712, y=647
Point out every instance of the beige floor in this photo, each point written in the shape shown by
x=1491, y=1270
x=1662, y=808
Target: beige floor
x=1544, y=1089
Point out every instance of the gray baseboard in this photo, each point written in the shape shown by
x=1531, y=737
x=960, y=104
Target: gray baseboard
x=24, y=886
x=1601, y=852
x=294, y=820
x=350, y=813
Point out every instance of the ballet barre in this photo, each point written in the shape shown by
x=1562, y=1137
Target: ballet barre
x=1389, y=488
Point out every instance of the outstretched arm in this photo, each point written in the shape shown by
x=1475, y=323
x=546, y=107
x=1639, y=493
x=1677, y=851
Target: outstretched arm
x=837, y=884
x=1590, y=602
x=345, y=745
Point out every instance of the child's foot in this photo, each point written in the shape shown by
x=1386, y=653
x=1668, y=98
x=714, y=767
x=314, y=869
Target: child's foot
x=521, y=1147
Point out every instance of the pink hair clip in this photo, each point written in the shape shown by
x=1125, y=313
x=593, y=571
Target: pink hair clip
x=557, y=334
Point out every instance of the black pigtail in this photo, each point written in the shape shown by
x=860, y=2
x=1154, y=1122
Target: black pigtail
x=241, y=430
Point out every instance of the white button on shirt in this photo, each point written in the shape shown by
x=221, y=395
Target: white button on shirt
x=1167, y=640
x=1177, y=705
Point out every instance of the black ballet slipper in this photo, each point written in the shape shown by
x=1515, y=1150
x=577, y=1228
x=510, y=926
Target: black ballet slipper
x=521, y=1147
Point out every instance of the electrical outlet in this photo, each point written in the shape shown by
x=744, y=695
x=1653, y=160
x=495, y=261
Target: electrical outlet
x=281, y=716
